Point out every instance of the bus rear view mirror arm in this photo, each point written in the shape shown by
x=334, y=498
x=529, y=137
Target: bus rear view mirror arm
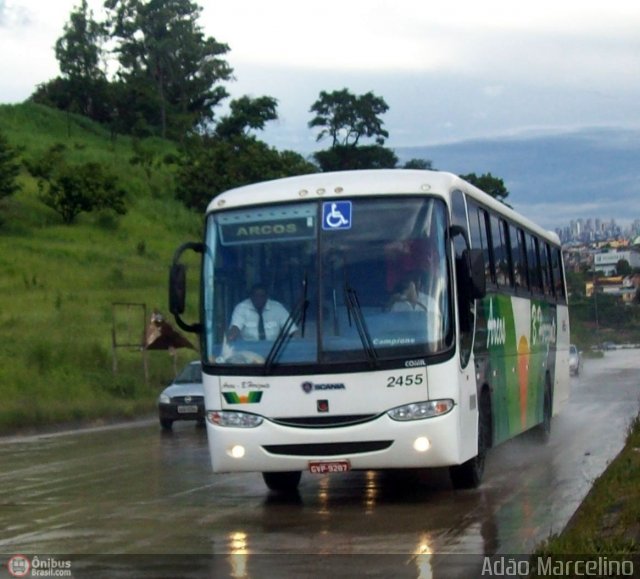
x=178, y=287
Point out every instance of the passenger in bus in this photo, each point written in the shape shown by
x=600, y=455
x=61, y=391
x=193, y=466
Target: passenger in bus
x=258, y=317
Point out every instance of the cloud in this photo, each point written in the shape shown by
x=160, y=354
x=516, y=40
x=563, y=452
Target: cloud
x=12, y=15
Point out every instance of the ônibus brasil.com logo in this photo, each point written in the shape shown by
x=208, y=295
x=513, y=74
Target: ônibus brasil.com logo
x=22, y=566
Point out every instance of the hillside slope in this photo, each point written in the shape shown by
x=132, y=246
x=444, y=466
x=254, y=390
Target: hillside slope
x=59, y=282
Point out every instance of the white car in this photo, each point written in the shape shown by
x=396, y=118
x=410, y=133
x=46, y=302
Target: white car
x=575, y=361
x=183, y=399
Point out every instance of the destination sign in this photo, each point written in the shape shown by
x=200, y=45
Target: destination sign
x=283, y=229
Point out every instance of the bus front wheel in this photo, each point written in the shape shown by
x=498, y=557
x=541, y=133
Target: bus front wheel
x=469, y=474
x=283, y=482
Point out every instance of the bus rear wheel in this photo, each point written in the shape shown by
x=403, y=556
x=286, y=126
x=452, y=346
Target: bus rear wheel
x=282, y=482
x=468, y=475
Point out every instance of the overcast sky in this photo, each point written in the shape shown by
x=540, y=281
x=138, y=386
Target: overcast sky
x=448, y=70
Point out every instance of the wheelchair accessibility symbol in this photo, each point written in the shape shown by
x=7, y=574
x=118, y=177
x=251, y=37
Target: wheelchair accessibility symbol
x=336, y=215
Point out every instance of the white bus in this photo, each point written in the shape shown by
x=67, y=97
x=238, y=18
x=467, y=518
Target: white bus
x=386, y=319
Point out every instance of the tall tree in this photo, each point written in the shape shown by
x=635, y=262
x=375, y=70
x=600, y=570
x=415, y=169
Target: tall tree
x=79, y=54
x=169, y=65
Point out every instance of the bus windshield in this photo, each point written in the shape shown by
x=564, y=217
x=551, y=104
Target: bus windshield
x=323, y=283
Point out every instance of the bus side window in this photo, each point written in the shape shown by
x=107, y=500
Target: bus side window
x=479, y=237
x=547, y=274
x=558, y=279
x=499, y=252
x=506, y=246
x=490, y=272
x=533, y=261
x=519, y=260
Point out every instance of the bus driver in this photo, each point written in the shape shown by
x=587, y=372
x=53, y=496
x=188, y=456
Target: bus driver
x=257, y=317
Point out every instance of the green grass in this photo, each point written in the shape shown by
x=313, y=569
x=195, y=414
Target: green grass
x=59, y=282
x=607, y=524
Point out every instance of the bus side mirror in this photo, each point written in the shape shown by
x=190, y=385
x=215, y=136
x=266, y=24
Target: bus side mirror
x=477, y=274
x=473, y=268
x=178, y=287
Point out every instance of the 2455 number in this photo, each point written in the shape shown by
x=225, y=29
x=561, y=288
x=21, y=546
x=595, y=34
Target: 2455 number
x=405, y=380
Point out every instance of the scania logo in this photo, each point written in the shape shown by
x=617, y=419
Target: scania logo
x=310, y=387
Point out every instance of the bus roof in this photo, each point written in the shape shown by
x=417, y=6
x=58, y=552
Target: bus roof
x=365, y=182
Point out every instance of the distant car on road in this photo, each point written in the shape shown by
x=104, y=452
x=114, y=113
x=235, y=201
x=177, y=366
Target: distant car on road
x=183, y=399
x=575, y=360
x=608, y=346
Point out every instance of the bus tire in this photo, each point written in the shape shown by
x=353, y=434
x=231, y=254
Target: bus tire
x=282, y=482
x=468, y=475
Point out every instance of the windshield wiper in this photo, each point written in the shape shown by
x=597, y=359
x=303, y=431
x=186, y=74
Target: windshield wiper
x=297, y=315
x=355, y=311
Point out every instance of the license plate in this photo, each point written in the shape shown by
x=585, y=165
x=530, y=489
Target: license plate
x=322, y=467
x=187, y=409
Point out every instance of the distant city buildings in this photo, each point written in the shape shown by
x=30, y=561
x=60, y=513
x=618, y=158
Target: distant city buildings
x=610, y=252
x=598, y=230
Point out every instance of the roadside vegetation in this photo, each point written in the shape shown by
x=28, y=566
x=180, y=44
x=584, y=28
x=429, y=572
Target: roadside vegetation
x=59, y=281
x=608, y=520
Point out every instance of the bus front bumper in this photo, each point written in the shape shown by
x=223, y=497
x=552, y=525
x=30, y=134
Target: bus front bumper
x=382, y=443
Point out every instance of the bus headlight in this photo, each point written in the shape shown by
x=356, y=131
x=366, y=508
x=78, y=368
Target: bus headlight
x=420, y=410
x=234, y=419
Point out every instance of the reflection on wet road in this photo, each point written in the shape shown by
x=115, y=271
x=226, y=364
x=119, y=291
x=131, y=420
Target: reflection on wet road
x=133, y=490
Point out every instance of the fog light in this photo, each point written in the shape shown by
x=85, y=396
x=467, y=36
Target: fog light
x=421, y=444
x=237, y=451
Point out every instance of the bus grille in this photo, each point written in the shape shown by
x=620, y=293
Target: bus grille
x=328, y=449
x=325, y=421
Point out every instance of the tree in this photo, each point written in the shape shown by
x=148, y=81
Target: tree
x=489, y=184
x=346, y=118
x=9, y=168
x=247, y=114
x=212, y=165
x=421, y=164
x=623, y=267
x=79, y=49
x=79, y=54
x=168, y=63
x=83, y=86
x=345, y=157
x=83, y=188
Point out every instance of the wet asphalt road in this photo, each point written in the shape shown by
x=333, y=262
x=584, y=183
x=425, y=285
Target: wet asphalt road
x=132, y=501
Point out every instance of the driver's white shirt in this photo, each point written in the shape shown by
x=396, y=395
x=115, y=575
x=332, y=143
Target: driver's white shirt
x=424, y=303
x=245, y=317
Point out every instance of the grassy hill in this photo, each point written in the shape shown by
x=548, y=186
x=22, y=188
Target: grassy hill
x=59, y=282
